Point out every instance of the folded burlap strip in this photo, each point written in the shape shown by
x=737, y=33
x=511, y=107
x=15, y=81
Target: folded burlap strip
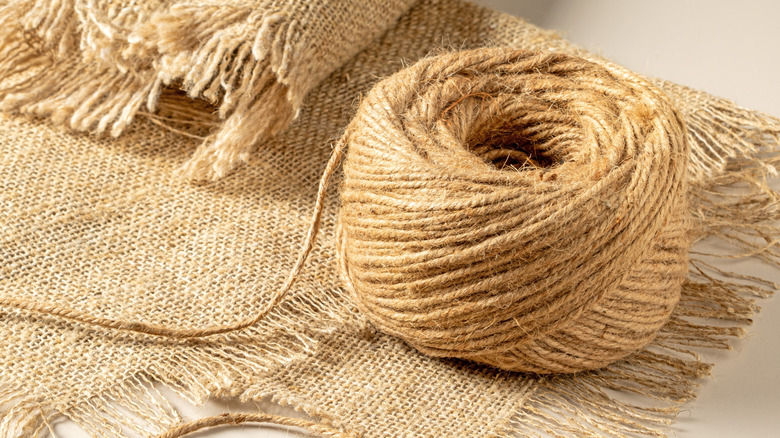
x=519, y=209
x=94, y=66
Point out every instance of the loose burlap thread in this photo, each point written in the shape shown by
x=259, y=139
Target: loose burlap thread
x=114, y=234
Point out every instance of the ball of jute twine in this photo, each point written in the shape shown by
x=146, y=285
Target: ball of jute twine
x=517, y=209
x=524, y=210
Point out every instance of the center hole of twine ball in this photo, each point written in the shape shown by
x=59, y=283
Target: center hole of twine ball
x=507, y=148
x=515, y=132
x=515, y=155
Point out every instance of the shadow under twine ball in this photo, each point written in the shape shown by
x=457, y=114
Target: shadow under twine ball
x=523, y=210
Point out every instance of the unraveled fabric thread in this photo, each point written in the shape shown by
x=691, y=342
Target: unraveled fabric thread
x=234, y=419
x=525, y=210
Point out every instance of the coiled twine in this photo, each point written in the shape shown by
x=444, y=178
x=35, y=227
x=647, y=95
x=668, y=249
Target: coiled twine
x=517, y=209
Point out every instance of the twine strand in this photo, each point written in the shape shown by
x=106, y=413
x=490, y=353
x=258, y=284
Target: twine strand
x=64, y=312
x=239, y=418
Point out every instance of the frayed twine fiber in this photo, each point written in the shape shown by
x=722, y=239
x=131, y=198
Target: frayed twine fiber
x=518, y=209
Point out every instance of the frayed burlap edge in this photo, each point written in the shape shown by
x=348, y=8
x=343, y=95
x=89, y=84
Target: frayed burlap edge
x=79, y=69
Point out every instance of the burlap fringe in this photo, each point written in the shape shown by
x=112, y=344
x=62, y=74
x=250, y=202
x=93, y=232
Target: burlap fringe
x=83, y=70
x=735, y=152
x=136, y=407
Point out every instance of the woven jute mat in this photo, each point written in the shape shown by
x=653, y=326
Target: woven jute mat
x=110, y=227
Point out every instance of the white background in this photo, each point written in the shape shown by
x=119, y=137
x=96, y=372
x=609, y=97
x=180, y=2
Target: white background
x=728, y=48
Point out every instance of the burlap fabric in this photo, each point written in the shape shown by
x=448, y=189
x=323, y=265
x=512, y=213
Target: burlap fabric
x=106, y=226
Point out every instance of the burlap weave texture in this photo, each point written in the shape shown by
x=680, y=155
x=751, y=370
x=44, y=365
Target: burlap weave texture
x=106, y=226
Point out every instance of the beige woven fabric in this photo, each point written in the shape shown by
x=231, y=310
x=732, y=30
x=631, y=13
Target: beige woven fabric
x=106, y=226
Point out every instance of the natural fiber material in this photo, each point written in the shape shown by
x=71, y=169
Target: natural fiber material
x=518, y=209
x=102, y=226
x=93, y=65
x=233, y=419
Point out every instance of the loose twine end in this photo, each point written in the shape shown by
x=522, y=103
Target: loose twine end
x=54, y=310
x=240, y=418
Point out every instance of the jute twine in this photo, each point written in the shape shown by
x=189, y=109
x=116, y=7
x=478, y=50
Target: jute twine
x=518, y=209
